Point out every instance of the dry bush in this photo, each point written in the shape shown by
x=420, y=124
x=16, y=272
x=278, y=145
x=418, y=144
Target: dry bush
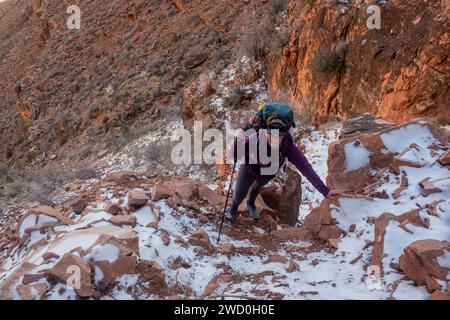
x=158, y=154
x=14, y=191
x=38, y=185
x=278, y=6
x=252, y=46
x=84, y=173
x=42, y=195
x=326, y=61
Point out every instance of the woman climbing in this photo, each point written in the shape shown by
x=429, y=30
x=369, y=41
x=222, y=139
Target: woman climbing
x=276, y=119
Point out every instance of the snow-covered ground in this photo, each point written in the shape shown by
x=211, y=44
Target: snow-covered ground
x=316, y=151
x=326, y=274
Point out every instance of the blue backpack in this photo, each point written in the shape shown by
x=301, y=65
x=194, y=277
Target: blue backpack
x=270, y=111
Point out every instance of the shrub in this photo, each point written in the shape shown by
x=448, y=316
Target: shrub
x=84, y=173
x=328, y=61
x=279, y=6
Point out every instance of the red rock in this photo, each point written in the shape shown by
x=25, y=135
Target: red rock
x=161, y=191
x=152, y=273
x=8, y=284
x=221, y=167
x=403, y=186
x=401, y=93
x=200, y=237
x=382, y=222
x=276, y=259
x=255, y=250
x=333, y=243
x=312, y=221
x=187, y=192
x=212, y=285
x=419, y=263
x=49, y=211
x=107, y=273
x=328, y=232
x=124, y=265
x=118, y=176
x=290, y=234
x=293, y=267
x=128, y=220
x=440, y=295
x=434, y=186
x=445, y=158
x=32, y=277
x=195, y=60
x=114, y=209
x=325, y=210
x=266, y=221
x=203, y=218
x=283, y=196
x=398, y=161
x=225, y=248
x=78, y=204
x=50, y=255
x=23, y=232
x=73, y=187
x=354, y=181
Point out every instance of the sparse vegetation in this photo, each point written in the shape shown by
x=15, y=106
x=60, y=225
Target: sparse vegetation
x=155, y=155
x=327, y=61
x=8, y=152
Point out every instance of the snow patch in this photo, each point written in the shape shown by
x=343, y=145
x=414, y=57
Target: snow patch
x=356, y=156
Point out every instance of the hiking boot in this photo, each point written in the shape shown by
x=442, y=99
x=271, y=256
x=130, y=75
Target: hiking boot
x=253, y=211
x=231, y=214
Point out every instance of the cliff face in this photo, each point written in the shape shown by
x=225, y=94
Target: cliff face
x=335, y=65
x=64, y=92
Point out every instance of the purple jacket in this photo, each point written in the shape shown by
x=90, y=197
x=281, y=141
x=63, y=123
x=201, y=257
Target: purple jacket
x=288, y=150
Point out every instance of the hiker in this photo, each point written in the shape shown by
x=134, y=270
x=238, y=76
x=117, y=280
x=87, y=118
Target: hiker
x=251, y=177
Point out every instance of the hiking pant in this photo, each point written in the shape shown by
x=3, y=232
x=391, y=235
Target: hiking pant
x=247, y=183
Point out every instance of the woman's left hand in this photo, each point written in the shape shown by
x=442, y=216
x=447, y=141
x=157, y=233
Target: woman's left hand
x=335, y=193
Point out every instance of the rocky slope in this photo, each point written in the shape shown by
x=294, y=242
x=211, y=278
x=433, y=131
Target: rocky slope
x=73, y=93
x=139, y=227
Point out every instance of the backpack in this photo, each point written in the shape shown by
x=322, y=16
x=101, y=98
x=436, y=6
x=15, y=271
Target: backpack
x=270, y=111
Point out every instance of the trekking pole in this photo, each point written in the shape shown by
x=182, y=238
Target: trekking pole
x=228, y=195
